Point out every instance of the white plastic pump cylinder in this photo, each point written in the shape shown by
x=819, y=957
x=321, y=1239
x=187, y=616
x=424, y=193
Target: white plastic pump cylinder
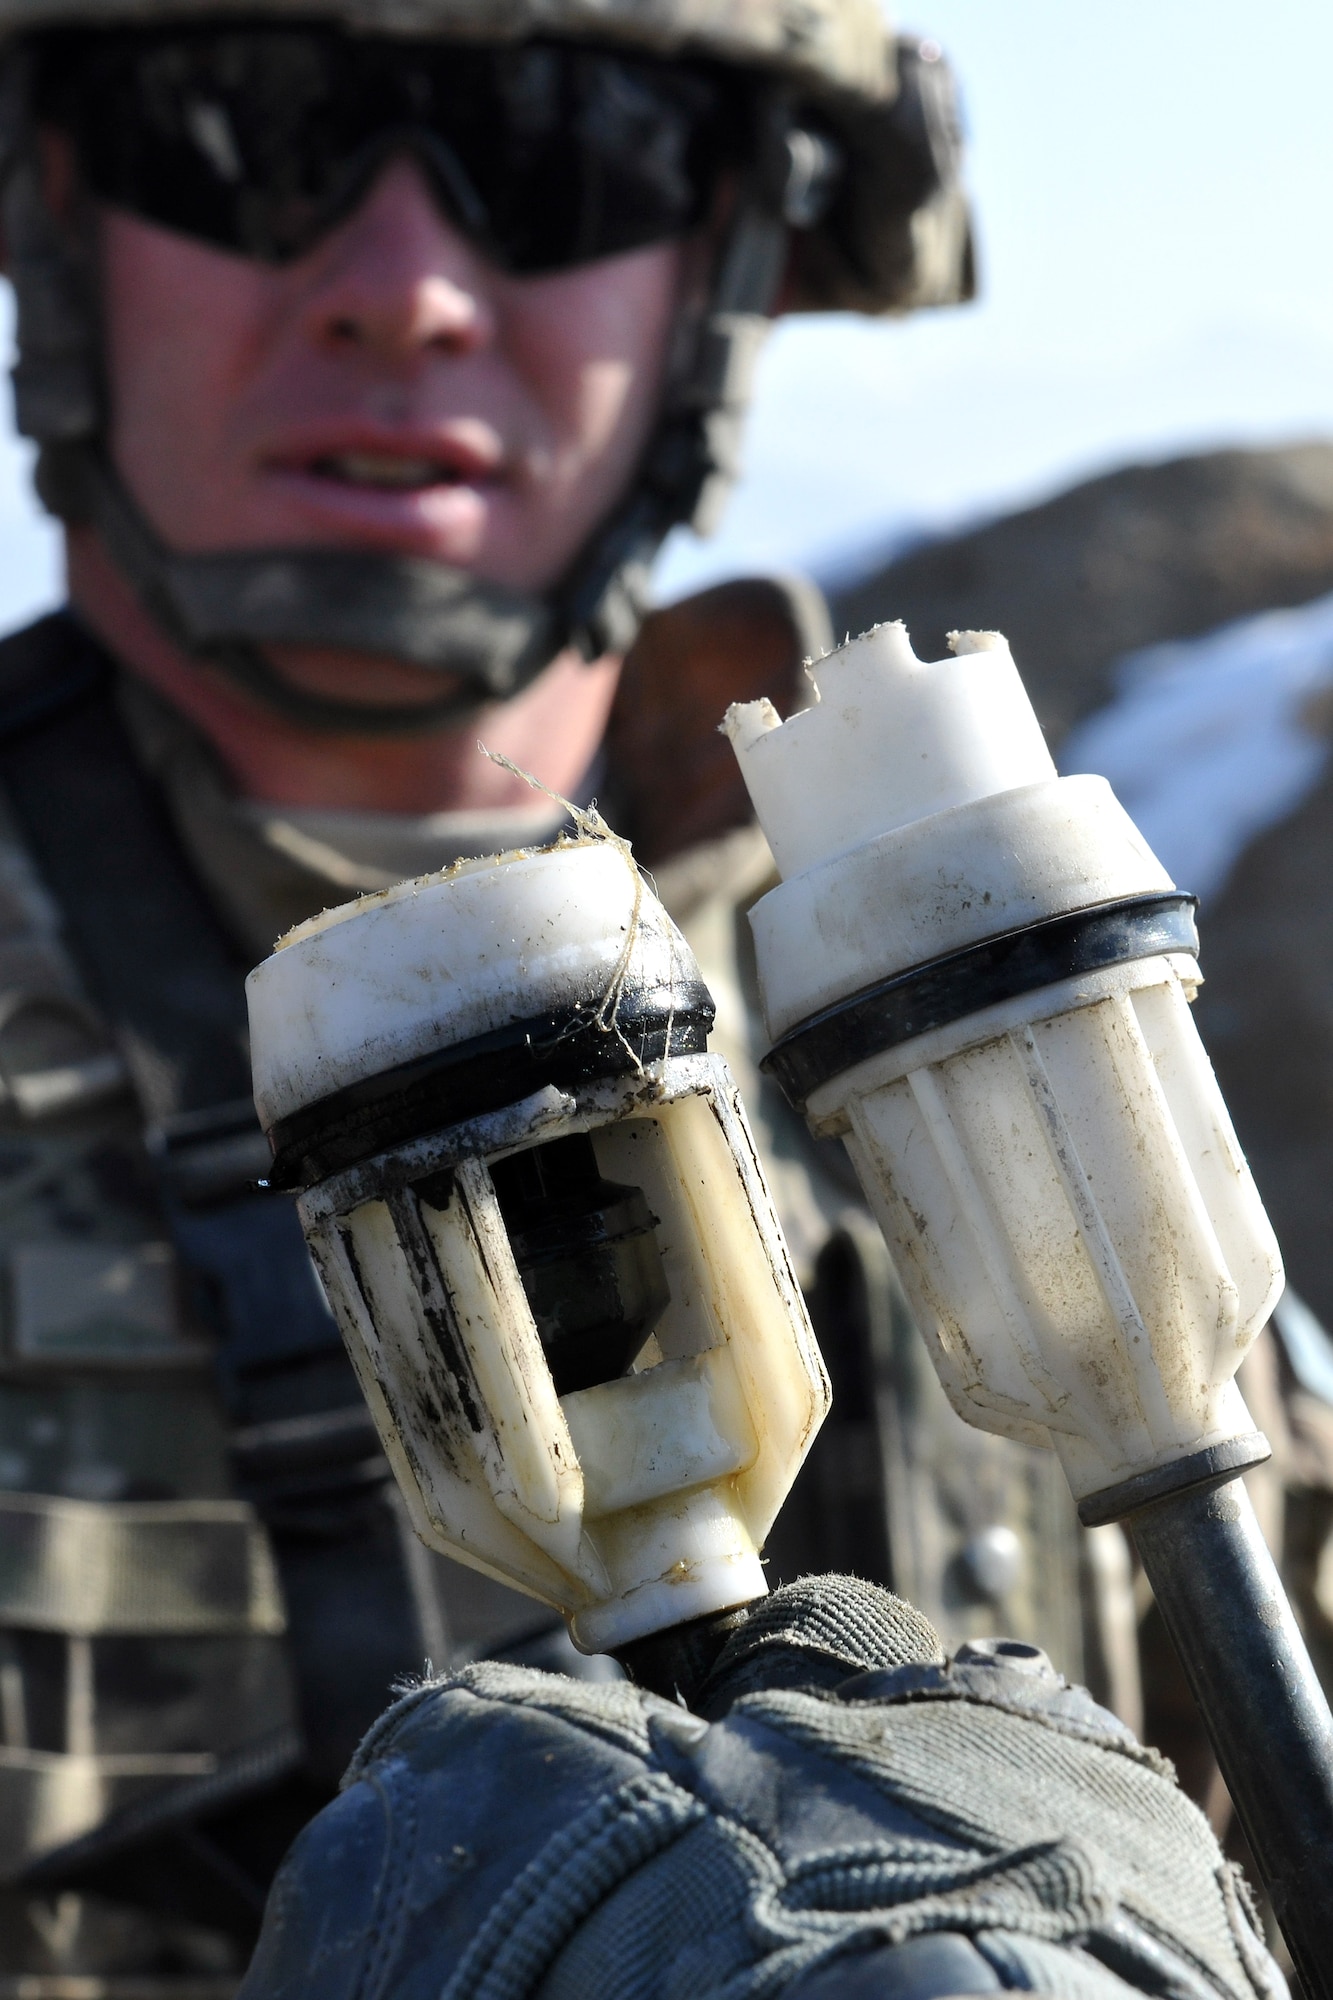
x=978, y=974
x=957, y=730
x=482, y=1080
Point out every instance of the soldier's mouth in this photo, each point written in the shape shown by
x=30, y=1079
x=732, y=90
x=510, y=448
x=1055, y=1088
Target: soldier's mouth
x=385, y=471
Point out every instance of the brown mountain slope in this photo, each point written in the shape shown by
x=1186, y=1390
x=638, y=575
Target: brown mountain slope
x=1149, y=552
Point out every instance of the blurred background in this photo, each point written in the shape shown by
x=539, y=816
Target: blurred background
x=1152, y=186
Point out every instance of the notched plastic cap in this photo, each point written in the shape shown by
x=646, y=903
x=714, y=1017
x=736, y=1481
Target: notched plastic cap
x=892, y=740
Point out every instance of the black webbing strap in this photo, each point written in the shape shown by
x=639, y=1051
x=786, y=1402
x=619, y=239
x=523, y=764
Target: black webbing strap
x=170, y=985
x=155, y=958
x=944, y=990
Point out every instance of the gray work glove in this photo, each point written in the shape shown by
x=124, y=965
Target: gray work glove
x=857, y=1820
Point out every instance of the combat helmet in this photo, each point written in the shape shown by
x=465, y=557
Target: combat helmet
x=852, y=189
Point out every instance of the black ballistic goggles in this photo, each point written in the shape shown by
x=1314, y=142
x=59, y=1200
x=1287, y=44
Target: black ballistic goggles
x=260, y=139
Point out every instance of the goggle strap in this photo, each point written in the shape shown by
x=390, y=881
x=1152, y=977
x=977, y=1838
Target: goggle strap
x=692, y=459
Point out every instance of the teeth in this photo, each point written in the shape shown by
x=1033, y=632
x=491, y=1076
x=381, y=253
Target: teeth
x=368, y=468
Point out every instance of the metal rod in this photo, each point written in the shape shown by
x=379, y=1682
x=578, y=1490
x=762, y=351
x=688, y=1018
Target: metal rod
x=1247, y=1665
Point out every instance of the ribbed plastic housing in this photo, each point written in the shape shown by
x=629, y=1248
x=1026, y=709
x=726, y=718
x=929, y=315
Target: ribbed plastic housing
x=1053, y=1168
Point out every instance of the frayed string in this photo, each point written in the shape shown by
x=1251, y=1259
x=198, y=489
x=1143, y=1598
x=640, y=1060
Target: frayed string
x=591, y=826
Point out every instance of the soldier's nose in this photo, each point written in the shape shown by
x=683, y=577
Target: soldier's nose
x=397, y=280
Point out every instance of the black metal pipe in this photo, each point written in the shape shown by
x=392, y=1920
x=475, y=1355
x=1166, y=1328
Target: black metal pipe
x=1229, y=1619
x=676, y=1663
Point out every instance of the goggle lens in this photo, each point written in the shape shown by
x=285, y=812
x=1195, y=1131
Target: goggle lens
x=259, y=140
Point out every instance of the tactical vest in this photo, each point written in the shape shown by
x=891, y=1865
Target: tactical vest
x=207, y=1586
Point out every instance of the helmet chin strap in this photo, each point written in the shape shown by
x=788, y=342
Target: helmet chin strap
x=225, y=609
x=485, y=641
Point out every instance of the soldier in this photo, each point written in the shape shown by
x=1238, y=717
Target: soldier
x=370, y=357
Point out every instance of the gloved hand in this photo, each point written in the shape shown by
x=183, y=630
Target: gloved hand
x=848, y=1818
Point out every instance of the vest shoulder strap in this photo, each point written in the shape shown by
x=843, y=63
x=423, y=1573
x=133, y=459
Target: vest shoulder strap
x=165, y=977
x=153, y=953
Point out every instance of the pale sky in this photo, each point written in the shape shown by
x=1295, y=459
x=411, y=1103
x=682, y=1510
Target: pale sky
x=1153, y=183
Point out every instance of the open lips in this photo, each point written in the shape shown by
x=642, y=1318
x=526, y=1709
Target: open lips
x=385, y=469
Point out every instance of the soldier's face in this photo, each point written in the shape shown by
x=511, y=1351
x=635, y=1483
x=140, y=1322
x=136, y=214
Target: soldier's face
x=390, y=390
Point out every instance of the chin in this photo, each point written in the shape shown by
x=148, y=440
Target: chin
x=463, y=527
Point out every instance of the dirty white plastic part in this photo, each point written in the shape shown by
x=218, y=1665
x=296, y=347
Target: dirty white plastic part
x=956, y=730
x=406, y=971
x=935, y=885
x=643, y=1501
x=1055, y=1174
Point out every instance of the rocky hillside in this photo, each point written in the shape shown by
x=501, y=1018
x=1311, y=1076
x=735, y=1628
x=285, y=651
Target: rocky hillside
x=1149, y=552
